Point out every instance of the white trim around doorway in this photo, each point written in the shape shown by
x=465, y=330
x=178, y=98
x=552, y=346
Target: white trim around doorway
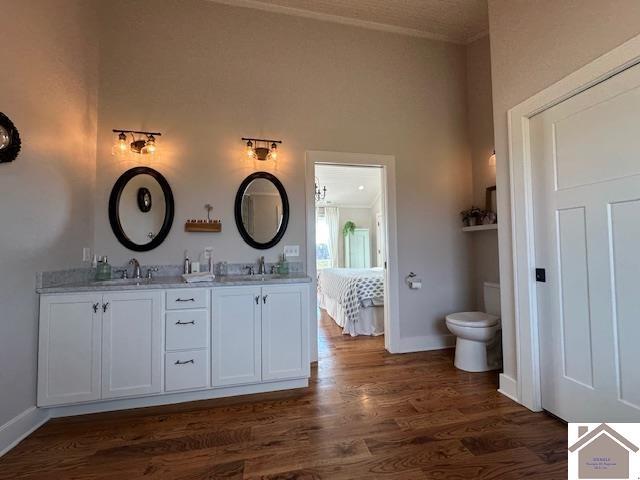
x=526, y=316
x=392, y=309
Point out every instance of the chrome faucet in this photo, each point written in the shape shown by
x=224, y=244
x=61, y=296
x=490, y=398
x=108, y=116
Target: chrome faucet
x=261, y=268
x=137, y=273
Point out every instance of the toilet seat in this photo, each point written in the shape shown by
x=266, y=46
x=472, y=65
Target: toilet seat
x=473, y=319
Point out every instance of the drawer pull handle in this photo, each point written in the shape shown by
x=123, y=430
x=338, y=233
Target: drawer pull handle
x=180, y=322
x=178, y=362
x=95, y=307
x=264, y=298
x=185, y=299
x=257, y=299
x=104, y=307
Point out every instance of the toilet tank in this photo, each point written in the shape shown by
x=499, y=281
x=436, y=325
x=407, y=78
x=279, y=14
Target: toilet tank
x=492, y=298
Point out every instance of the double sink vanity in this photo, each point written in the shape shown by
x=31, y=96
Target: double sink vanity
x=125, y=343
x=150, y=339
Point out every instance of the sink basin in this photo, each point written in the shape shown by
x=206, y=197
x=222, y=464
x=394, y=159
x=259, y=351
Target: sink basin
x=123, y=281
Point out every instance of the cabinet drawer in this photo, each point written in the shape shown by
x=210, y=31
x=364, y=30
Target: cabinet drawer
x=186, y=370
x=182, y=298
x=186, y=329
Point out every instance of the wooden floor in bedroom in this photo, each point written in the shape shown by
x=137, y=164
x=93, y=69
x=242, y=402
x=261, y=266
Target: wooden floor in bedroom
x=368, y=414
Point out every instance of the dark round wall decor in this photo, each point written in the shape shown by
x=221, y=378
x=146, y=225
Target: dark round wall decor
x=9, y=140
x=144, y=199
x=136, y=232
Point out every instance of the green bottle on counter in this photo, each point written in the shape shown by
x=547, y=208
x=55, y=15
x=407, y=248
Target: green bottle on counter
x=103, y=270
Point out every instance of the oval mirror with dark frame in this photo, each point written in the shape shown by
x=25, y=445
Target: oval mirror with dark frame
x=261, y=210
x=141, y=209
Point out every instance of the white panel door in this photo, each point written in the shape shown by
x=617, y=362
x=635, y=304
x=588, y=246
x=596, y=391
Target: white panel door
x=69, y=349
x=131, y=343
x=586, y=176
x=285, y=343
x=235, y=336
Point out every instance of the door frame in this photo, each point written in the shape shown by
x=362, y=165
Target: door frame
x=392, y=309
x=521, y=190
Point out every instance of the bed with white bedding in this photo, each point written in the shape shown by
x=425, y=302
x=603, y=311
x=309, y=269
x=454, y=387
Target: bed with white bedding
x=354, y=298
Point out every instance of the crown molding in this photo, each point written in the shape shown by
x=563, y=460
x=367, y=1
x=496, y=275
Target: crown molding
x=383, y=27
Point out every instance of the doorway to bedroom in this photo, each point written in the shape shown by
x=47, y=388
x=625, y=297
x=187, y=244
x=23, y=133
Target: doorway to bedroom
x=350, y=251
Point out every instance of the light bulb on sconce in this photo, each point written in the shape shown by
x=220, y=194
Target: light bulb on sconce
x=251, y=153
x=273, y=154
x=150, y=145
x=122, y=142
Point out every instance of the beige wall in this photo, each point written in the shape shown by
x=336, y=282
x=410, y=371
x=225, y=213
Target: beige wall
x=480, y=121
x=205, y=74
x=48, y=88
x=533, y=45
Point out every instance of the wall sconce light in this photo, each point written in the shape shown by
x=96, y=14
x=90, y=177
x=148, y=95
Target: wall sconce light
x=145, y=145
x=321, y=194
x=269, y=150
x=492, y=159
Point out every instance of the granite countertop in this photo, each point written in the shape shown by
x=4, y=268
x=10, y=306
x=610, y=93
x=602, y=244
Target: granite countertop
x=173, y=282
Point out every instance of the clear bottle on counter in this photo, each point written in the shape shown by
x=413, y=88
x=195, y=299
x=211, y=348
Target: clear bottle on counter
x=103, y=270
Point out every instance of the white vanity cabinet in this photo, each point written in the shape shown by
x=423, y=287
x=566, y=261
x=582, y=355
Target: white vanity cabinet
x=99, y=346
x=259, y=334
x=69, y=349
x=131, y=343
x=285, y=325
x=236, y=336
x=113, y=349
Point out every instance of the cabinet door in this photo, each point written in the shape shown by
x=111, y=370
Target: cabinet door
x=131, y=343
x=69, y=349
x=285, y=327
x=235, y=336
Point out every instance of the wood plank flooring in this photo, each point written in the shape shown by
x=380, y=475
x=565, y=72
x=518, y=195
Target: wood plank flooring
x=367, y=414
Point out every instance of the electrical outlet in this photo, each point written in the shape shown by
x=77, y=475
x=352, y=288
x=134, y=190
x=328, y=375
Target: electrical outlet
x=208, y=251
x=292, y=251
x=86, y=254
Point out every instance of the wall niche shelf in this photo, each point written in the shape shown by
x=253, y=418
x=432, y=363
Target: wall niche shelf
x=479, y=228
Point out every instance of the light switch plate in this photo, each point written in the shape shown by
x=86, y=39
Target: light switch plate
x=86, y=254
x=292, y=251
x=208, y=251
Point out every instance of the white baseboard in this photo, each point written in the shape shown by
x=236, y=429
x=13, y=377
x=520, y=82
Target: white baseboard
x=508, y=387
x=171, y=398
x=20, y=426
x=421, y=344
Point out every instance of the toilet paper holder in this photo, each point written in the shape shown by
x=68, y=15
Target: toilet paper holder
x=413, y=281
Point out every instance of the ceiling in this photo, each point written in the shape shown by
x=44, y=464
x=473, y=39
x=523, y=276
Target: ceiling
x=459, y=21
x=342, y=185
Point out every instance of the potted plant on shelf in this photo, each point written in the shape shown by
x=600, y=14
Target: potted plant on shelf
x=349, y=228
x=472, y=216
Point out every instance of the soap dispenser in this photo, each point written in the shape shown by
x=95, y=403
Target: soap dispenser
x=103, y=270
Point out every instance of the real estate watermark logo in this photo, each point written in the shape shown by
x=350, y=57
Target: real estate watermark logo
x=604, y=450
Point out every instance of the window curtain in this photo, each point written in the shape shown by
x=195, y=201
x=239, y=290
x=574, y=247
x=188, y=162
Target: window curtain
x=332, y=217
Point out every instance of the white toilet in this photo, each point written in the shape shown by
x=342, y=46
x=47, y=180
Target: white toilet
x=478, y=343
